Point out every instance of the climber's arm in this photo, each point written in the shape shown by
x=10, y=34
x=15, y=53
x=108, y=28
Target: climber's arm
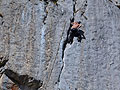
x=79, y=25
x=73, y=23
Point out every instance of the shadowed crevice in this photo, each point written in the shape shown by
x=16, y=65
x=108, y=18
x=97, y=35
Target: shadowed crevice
x=63, y=49
x=82, y=9
x=54, y=1
x=24, y=82
x=46, y=12
x=66, y=40
x=60, y=73
x=1, y=15
x=117, y=4
x=3, y=61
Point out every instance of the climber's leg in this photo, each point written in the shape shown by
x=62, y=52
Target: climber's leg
x=81, y=33
x=79, y=38
x=71, y=37
x=71, y=40
x=83, y=37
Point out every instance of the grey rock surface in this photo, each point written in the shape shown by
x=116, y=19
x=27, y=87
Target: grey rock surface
x=32, y=33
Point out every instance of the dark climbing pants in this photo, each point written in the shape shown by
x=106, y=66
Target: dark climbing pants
x=75, y=33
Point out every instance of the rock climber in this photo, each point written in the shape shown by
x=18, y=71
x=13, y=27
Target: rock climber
x=72, y=32
x=76, y=32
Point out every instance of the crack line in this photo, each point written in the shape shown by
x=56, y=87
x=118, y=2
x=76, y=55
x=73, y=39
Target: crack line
x=52, y=66
x=62, y=60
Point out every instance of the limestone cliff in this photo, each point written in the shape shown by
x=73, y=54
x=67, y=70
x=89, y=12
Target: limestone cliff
x=32, y=34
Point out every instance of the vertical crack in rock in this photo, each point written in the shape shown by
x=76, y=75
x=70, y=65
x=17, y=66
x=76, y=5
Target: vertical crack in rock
x=52, y=64
x=66, y=40
x=71, y=20
x=63, y=48
x=46, y=2
x=82, y=9
x=46, y=12
x=74, y=9
x=25, y=82
x=60, y=72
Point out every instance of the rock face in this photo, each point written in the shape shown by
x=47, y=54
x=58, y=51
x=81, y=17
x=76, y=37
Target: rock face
x=32, y=33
